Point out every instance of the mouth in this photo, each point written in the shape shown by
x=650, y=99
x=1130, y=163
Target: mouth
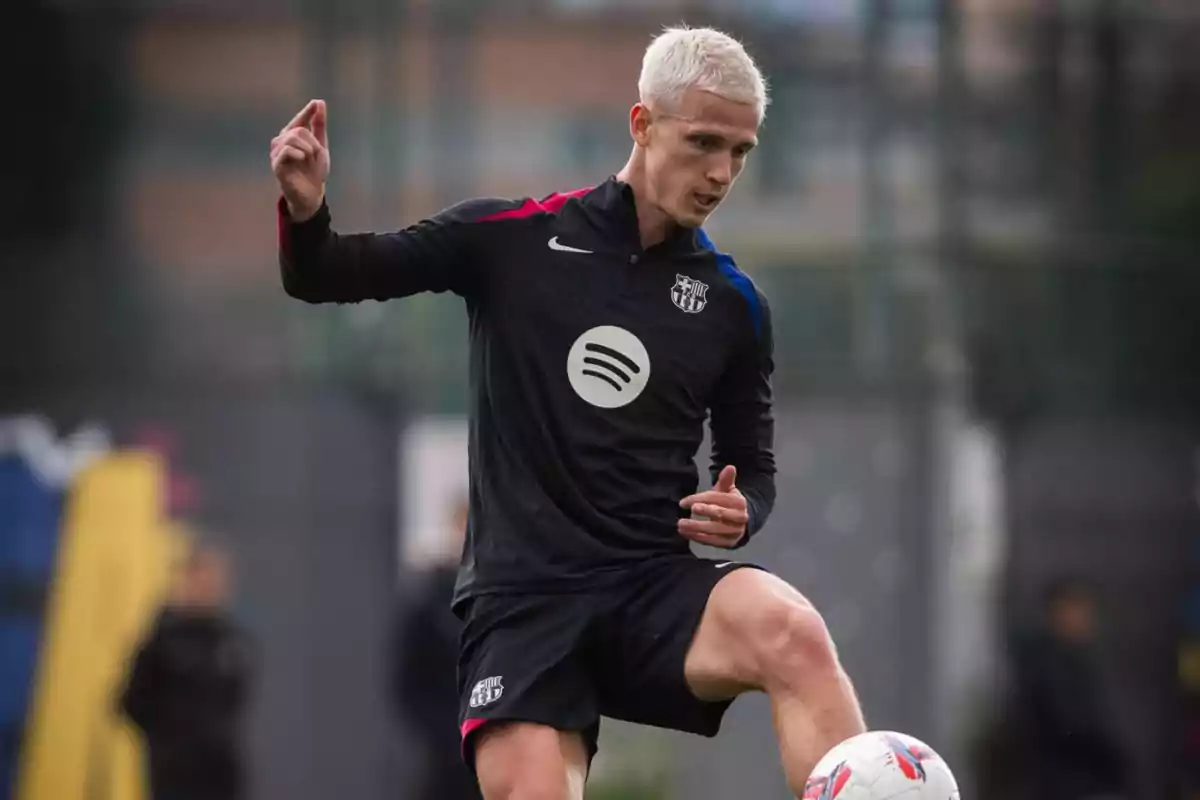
x=706, y=201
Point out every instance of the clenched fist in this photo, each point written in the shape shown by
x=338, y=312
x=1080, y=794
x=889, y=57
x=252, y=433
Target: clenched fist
x=300, y=161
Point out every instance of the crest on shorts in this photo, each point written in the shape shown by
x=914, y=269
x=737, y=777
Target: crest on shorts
x=689, y=294
x=486, y=692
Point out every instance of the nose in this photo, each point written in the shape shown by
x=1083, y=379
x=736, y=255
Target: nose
x=721, y=170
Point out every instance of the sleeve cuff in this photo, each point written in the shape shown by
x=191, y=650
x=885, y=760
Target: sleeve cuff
x=316, y=220
x=292, y=233
x=752, y=523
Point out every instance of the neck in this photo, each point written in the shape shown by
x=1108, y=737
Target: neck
x=653, y=224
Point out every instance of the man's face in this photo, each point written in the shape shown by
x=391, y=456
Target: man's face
x=205, y=582
x=694, y=152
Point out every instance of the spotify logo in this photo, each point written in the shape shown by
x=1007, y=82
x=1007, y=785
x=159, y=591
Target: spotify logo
x=608, y=367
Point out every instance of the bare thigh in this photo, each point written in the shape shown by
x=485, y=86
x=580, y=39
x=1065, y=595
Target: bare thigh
x=527, y=761
x=748, y=613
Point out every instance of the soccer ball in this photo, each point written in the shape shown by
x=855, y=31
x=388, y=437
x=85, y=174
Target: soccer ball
x=881, y=765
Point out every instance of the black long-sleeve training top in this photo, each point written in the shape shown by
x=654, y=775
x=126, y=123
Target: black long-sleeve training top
x=593, y=366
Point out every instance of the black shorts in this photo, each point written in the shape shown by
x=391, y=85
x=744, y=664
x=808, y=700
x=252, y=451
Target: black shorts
x=565, y=660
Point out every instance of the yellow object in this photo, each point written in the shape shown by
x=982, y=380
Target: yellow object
x=1189, y=667
x=112, y=569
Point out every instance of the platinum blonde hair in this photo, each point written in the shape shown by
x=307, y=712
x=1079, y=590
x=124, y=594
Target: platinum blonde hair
x=683, y=58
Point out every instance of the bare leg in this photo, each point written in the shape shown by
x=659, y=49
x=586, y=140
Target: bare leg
x=760, y=634
x=811, y=720
x=524, y=761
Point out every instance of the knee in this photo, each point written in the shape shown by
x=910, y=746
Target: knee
x=521, y=781
x=518, y=788
x=791, y=643
x=528, y=762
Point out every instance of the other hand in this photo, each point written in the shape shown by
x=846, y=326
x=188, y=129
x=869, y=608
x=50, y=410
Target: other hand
x=722, y=511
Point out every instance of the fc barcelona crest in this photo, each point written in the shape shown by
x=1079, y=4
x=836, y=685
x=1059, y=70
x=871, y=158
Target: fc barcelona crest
x=689, y=294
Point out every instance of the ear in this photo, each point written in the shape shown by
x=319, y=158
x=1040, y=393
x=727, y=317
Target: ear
x=639, y=124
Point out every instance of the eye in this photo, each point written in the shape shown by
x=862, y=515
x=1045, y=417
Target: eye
x=705, y=141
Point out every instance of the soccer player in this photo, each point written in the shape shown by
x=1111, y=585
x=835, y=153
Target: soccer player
x=604, y=328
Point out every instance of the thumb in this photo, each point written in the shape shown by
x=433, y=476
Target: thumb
x=318, y=123
x=726, y=479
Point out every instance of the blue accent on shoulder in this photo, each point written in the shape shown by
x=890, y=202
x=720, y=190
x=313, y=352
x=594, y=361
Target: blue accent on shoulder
x=738, y=278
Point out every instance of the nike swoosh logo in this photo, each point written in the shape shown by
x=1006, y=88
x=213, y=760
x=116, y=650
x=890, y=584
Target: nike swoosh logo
x=723, y=564
x=562, y=248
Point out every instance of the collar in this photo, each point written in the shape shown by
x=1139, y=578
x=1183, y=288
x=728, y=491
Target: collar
x=612, y=210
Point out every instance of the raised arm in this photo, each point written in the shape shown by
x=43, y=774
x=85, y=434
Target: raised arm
x=320, y=266
x=439, y=254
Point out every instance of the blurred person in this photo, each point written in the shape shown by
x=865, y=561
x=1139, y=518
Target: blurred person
x=605, y=328
x=188, y=686
x=426, y=657
x=1070, y=743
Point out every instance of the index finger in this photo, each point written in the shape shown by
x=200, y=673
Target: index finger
x=302, y=119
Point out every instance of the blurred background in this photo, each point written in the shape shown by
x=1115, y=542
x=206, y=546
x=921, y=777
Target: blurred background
x=978, y=223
